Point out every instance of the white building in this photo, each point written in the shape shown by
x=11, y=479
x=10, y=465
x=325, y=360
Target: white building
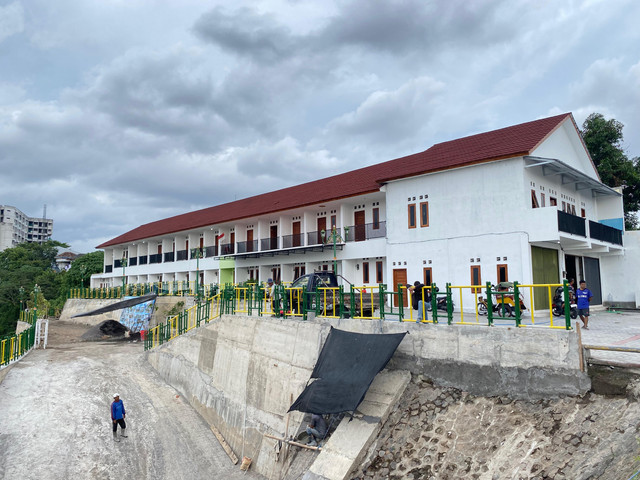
x=523, y=203
x=16, y=227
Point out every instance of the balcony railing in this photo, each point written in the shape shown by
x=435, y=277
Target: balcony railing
x=169, y=257
x=571, y=224
x=143, y=260
x=359, y=233
x=290, y=241
x=247, y=247
x=181, y=255
x=269, y=243
x=605, y=233
x=156, y=258
x=108, y=268
x=226, y=249
x=133, y=261
x=210, y=251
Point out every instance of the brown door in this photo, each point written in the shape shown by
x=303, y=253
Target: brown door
x=232, y=241
x=360, y=233
x=217, y=245
x=159, y=249
x=273, y=237
x=400, y=277
x=296, y=234
x=322, y=225
x=249, y=240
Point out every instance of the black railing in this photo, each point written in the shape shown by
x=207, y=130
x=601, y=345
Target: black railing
x=181, y=255
x=193, y=253
x=226, y=249
x=108, y=268
x=169, y=257
x=571, y=224
x=247, y=247
x=143, y=260
x=133, y=261
x=314, y=238
x=605, y=233
x=210, y=251
x=295, y=240
x=156, y=258
x=269, y=243
x=117, y=264
x=367, y=231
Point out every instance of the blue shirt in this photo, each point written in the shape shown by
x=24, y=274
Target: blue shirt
x=117, y=410
x=583, y=297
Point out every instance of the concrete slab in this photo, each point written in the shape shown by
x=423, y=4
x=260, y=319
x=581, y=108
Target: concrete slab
x=347, y=446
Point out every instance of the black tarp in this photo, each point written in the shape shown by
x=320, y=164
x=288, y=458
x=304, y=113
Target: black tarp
x=119, y=305
x=347, y=365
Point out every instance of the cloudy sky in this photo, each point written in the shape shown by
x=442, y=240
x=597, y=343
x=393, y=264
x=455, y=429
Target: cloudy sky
x=115, y=113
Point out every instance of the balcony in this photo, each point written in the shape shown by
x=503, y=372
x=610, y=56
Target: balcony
x=227, y=249
x=605, y=233
x=181, y=255
x=117, y=263
x=359, y=233
x=247, y=247
x=269, y=243
x=571, y=224
x=143, y=260
x=295, y=240
x=157, y=258
x=210, y=252
x=133, y=261
x=108, y=268
x=169, y=257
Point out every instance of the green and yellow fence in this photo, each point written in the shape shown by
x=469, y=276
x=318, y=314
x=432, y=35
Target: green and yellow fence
x=365, y=302
x=15, y=346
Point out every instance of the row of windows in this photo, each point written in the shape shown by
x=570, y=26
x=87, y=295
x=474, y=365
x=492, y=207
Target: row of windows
x=424, y=214
x=365, y=272
x=553, y=202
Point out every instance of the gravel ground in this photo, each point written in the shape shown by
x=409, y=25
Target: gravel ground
x=55, y=420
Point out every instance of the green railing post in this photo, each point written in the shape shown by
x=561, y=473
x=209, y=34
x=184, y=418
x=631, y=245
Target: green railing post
x=400, y=303
x=489, y=305
x=516, y=303
x=449, y=304
x=567, y=304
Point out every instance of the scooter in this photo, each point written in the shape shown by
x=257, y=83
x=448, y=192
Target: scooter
x=504, y=304
x=441, y=302
x=557, y=307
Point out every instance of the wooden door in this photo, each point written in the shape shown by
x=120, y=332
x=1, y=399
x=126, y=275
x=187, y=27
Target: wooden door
x=249, y=240
x=322, y=225
x=400, y=277
x=273, y=237
x=296, y=234
x=232, y=241
x=545, y=270
x=360, y=233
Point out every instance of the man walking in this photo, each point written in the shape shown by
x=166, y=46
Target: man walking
x=117, y=417
x=584, y=295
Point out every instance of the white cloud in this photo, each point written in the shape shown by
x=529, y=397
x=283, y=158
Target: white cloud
x=11, y=20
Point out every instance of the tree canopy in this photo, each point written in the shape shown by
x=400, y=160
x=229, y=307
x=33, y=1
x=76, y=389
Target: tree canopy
x=603, y=139
x=28, y=264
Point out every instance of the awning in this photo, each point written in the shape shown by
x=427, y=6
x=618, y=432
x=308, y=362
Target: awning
x=569, y=175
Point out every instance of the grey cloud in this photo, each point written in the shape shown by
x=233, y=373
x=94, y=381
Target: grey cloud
x=247, y=33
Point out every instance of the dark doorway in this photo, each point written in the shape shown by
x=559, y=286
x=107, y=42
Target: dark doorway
x=570, y=262
x=297, y=238
x=361, y=233
x=592, y=277
x=322, y=225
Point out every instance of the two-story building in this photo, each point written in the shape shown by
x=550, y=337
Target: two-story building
x=520, y=203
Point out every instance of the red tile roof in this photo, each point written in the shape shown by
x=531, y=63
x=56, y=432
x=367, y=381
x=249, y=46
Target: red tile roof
x=484, y=147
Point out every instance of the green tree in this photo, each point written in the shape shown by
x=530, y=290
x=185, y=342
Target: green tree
x=23, y=266
x=603, y=139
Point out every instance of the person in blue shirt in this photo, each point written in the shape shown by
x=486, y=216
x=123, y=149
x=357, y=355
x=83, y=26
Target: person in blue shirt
x=118, y=415
x=584, y=295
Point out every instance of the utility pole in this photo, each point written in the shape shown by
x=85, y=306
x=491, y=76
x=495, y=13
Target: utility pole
x=124, y=264
x=197, y=253
x=335, y=238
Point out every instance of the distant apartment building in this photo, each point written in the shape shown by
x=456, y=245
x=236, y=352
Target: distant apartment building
x=16, y=228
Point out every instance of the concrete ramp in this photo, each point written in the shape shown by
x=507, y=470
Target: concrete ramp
x=346, y=448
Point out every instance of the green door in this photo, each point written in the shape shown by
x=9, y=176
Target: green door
x=545, y=270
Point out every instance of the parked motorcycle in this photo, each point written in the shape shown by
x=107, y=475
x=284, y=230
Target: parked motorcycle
x=557, y=307
x=503, y=304
x=441, y=302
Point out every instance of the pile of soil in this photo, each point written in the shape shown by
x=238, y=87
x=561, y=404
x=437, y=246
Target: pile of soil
x=109, y=329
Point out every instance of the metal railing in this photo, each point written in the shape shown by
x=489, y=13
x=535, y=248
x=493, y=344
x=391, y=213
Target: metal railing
x=15, y=346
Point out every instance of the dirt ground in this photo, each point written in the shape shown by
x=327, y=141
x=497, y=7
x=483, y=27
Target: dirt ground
x=55, y=420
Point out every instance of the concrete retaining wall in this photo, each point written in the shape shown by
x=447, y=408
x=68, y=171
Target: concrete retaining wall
x=240, y=372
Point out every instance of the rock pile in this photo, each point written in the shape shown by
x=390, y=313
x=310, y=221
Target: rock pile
x=443, y=433
x=109, y=329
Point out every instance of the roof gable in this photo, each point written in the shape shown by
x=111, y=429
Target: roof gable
x=497, y=144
